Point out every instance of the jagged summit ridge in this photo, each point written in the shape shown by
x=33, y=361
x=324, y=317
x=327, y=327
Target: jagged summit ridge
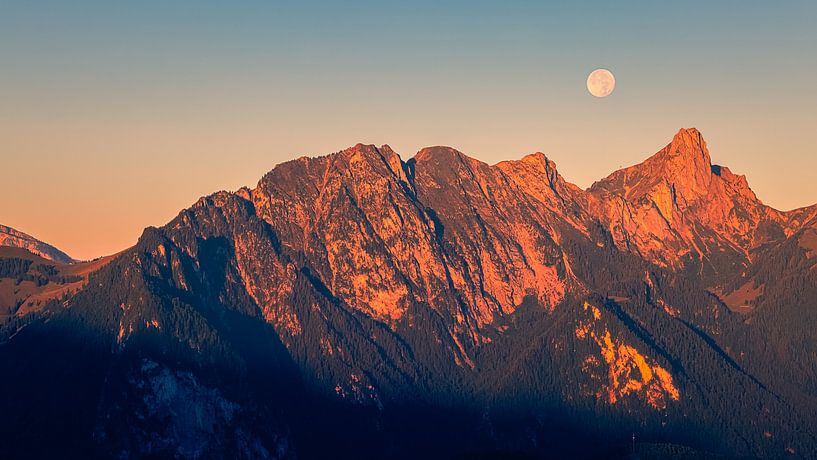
x=370, y=282
x=674, y=204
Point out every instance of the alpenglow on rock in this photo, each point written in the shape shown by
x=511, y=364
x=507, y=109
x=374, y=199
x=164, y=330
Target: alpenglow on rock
x=360, y=304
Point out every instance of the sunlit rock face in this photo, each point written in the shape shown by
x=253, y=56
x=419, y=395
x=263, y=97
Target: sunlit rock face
x=619, y=370
x=499, y=240
x=367, y=293
x=16, y=239
x=444, y=231
x=468, y=240
x=677, y=206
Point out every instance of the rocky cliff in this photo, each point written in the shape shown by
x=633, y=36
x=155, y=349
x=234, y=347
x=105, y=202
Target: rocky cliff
x=360, y=304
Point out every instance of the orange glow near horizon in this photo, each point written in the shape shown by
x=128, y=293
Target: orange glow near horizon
x=115, y=117
x=99, y=203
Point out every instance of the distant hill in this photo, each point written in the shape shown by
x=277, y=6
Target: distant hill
x=29, y=282
x=17, y=239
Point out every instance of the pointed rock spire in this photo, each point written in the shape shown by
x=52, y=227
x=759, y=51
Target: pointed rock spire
x=688, y=144
x=684, y=164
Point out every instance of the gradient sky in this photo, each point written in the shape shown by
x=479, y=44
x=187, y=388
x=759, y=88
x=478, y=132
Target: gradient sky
x=116, y=115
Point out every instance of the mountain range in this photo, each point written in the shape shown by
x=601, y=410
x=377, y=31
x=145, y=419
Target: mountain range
x=362, y=305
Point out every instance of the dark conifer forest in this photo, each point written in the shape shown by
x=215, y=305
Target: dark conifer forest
x=361, y=306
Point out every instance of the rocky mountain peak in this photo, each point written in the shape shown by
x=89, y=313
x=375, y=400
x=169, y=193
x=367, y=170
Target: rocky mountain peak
x=540, y=160
x=684, y=165
x=539, y=177
x=688, y=144
x=440, y=155
x=335, y=291
x=677, y=194
x=362, y=160
x=360, y=152
x=14, y=238
x=686, y=161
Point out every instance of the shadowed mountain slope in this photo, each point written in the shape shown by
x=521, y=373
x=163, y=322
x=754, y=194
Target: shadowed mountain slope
x=359, y=305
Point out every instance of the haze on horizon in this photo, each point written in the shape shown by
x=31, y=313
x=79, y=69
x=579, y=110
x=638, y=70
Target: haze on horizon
x=115, y=117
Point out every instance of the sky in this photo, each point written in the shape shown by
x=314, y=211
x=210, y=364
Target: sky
x=116, y=115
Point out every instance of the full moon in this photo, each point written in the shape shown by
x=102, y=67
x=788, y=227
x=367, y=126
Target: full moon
x=601, y=82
